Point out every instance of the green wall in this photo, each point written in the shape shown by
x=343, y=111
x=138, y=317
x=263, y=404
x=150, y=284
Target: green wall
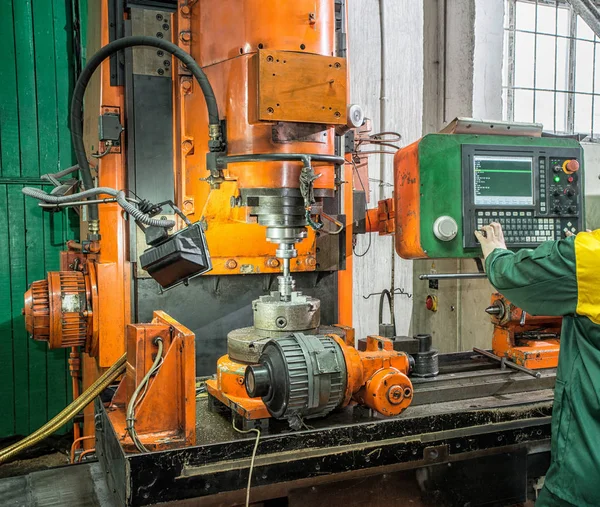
x=36, y=78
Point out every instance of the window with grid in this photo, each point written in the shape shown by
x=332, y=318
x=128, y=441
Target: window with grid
x=551, y=68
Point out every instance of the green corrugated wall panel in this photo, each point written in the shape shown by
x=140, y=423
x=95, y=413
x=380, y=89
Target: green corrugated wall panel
x=37, y=76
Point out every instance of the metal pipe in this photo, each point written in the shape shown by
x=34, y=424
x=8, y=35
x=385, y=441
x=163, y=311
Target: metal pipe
x=453, y=276
x=504, y=362
x=307, y=158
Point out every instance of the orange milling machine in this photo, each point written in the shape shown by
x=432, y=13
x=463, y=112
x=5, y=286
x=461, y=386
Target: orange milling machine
x=258, y=103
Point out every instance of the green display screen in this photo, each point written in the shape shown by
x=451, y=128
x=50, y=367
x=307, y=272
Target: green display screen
x=503, y=181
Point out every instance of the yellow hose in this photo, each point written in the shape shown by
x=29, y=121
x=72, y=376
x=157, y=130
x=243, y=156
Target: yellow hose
x=68, y=413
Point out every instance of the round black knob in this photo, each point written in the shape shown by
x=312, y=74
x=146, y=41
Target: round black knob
x=570, y=210
x=257, y=380
x=556, y=209
x=556, y=192
x=570, y=192
x=557, y=168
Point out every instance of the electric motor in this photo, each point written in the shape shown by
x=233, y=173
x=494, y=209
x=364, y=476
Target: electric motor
x=59, y=310
x=305, y=376
x=299, y=376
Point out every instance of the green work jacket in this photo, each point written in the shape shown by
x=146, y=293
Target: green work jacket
x=562, y=278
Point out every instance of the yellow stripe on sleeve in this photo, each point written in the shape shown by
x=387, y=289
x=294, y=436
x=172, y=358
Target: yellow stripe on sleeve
x=587, y=258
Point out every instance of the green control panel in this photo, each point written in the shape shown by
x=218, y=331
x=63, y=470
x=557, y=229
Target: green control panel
x=533, y=186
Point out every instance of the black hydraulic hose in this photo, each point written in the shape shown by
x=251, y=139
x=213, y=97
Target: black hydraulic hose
x=84, y=79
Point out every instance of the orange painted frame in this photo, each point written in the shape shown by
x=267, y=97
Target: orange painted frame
x=112, y=268
x=165, y=416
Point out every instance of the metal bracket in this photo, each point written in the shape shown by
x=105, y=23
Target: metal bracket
x=436, y=453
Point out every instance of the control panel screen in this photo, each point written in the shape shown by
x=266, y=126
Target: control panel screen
x=503, y=181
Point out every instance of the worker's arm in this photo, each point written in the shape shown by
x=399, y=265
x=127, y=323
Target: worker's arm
x=541, y=281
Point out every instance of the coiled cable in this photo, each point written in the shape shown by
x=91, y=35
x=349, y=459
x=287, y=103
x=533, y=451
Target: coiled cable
x=119, y=195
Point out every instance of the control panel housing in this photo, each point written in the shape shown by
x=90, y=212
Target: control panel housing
x=448, y=185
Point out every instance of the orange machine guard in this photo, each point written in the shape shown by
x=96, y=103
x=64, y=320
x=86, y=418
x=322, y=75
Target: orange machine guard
x=407, y=203
x=165, y=416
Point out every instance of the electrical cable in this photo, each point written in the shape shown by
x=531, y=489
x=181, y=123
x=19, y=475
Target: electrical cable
x=257, y=431
x=53, y=177
x=104, y=153
x=130, y=419
x=355, y=170
x=120, y=196
x=68, y=413
x=84, y=79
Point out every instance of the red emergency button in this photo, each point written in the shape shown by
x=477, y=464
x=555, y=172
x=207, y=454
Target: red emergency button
x=570, y=166
x=570, y=179
x=431, y=303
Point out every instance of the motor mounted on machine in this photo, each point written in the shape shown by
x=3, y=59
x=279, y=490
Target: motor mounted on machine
x=306, y=376
x=60, y=309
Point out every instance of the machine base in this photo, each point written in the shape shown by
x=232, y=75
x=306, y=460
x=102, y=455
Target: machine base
x=510, y=415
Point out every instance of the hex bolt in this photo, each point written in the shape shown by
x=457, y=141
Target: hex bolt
x=272, y=262
x=186, y=85
x=159, y=17
x=231, y=264
x=160, y=72
x=281, y=322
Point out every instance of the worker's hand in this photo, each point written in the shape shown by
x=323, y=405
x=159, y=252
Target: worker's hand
x=490, y=237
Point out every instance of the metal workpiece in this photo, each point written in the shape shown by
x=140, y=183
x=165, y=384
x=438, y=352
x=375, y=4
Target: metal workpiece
x=299, y=313
x=426, y=359
x=246, y=344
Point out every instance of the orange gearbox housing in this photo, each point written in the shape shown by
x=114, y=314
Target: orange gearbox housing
x=59, y=310
x=378, y=376
x=279, y=90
